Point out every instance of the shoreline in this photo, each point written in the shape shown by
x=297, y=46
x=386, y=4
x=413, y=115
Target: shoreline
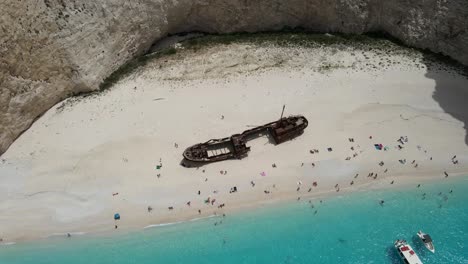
x=246, y=208
x=85, y=160
x=349, y=223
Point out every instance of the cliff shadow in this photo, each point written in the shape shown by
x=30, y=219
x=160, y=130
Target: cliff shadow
x=451, y=86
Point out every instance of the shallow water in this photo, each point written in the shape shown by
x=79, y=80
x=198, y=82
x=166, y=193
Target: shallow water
x=348, y=229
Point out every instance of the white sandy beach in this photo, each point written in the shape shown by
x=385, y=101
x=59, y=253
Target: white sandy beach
x=61, y=174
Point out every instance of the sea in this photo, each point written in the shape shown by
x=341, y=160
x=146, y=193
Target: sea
x=353, y=228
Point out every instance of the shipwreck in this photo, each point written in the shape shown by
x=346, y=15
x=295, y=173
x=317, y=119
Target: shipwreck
x=234, y=147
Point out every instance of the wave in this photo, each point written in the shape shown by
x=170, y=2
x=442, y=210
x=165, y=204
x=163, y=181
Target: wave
x=65, y=234
x=179, y=222
x=7, y=243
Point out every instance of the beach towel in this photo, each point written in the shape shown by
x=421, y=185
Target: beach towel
x=263, y=173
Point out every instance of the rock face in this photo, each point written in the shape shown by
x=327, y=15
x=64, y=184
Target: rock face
x=51, y=49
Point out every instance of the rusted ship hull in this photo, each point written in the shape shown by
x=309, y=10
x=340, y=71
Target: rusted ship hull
x=235, y=147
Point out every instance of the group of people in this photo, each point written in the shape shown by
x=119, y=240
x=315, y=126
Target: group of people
x=403, y=140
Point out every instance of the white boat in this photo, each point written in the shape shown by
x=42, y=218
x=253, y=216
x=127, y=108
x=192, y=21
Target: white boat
x=406, y=253
x=427, y=240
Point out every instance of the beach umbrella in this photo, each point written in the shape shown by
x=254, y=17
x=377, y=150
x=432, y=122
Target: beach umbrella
x=117, y=216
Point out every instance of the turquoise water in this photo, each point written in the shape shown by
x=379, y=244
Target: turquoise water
x=349, y=229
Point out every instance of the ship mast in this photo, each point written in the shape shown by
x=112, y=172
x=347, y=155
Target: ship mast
x=282, y=112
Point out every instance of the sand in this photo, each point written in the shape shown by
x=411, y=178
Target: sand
x=63, y=174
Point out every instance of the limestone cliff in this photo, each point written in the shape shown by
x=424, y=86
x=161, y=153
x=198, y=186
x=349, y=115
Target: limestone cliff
x=51, y=49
